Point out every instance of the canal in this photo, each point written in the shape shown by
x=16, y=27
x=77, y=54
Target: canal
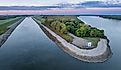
x=28, y=48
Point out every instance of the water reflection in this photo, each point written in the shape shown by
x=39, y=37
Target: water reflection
x=28, y=48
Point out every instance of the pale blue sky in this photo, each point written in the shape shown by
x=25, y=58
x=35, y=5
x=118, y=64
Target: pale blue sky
x=37, y=2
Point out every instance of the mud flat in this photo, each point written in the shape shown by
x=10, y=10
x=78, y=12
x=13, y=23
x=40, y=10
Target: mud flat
x=99, y=54
x=11, y=28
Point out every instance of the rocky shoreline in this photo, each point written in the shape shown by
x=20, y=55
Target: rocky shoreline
x=78, y=53
x=11, y=28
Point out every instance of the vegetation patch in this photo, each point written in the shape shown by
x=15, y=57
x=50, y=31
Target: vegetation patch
x=62, y=25
x=4, y=23
x=93, y=40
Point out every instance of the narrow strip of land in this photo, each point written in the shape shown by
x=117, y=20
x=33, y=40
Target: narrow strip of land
x=7, y=27
x=98, y=54
x=92, y=52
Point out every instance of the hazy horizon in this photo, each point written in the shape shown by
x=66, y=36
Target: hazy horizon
x=62, y=7
x=40, y=2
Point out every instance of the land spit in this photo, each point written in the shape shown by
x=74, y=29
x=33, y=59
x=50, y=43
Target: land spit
x=99, y=54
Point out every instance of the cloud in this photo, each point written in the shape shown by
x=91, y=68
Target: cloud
x=35, y=2
x=38, y=2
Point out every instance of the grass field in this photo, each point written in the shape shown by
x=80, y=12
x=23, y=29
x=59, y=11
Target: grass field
x=94, y=40
x=7, y=22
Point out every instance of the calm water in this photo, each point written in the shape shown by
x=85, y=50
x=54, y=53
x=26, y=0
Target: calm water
x=28, y=48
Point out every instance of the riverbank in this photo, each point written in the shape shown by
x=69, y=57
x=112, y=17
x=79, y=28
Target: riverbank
x=116, y=17
x=99, y=54
x=11, y=28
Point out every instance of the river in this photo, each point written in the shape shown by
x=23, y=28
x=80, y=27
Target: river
x=28, y=48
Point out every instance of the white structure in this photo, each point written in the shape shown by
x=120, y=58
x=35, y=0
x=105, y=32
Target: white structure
x=89, y=44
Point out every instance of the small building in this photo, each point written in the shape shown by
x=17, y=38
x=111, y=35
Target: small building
x=89, y=44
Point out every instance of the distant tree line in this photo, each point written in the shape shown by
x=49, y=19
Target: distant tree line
x=117, y=17
x=7, y=17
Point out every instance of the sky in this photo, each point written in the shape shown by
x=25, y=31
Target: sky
x=38, y=2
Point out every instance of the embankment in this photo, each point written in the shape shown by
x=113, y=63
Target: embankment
x=99, y=54
x=11, y=28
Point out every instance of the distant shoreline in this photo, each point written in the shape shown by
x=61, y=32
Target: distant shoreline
x=114, y=17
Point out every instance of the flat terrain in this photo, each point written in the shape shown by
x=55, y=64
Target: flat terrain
x=5, y=23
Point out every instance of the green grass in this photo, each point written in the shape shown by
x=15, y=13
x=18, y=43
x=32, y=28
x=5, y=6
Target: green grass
x=5, y=23
x=94, y=40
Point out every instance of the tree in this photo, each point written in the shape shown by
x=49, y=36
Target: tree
x=80, y=32
x=85, y=30
x=53, y=25
x=68, y=27
x=43, y=20
x=100, y=33
x=58, y=28
x=63, y=28
x=92, y=33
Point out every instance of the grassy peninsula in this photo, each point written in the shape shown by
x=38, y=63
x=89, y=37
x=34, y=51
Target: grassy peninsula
x=63, y=25
x=73, y=35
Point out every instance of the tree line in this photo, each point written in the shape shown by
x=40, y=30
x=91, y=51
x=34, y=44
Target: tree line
x=73, y=25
